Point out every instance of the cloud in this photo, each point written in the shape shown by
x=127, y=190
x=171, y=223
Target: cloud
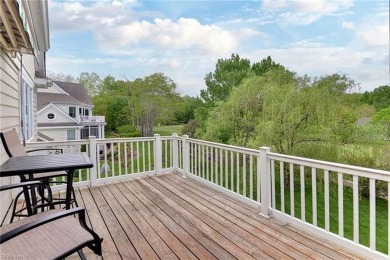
x=113, y=25
x=348, y=25
x=303, y=12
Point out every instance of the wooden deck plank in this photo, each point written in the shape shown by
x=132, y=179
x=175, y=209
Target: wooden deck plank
x=252, y=226
x=122, y=242
x=141, y=245
x=195, y=240
x=247, y=241
x=108, y=246
x=323, y=247
x=157, y=243
x=224, y=239
x=156, y=220
x=290, y=245
x=202, y=238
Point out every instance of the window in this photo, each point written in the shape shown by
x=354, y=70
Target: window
x=72, y=112
x=50, y=116
x=26, y=110
x=71, y=134
x=86, y=112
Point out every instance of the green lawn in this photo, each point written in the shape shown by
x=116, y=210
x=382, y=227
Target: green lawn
x=167, y=129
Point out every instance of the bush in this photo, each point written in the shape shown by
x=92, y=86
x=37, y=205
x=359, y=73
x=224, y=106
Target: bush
x=126, y=129
x=133, y=134
x=189, y=128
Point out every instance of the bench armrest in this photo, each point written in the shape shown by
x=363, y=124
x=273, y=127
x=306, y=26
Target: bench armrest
x=58, y=150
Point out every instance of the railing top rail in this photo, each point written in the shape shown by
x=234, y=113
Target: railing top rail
x=225, y=146
x=124, y=139
x=331, y=166
x=57, y=143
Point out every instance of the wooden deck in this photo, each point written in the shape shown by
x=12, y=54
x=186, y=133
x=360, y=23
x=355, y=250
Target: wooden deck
x=169, y=217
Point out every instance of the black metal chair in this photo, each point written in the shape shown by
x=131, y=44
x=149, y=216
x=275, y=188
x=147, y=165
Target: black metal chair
x=13, y=148
x=53, y=234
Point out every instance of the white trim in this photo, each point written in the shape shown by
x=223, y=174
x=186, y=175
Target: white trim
x=59, y=127
x=59, y=89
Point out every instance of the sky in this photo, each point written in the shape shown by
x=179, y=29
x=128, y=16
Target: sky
x=131, y=39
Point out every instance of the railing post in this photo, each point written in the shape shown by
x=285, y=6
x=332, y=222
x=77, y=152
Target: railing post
x=186, y=156
x=265, y=182
x=92, y=155
x=158, y=154
x=175, y=154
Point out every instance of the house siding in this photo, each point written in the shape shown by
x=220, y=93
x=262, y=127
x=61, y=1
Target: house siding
x=10, y=105
x=59, y=134
x=9, y=112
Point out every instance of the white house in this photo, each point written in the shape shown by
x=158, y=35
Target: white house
x=24, y=40
x=65, y=113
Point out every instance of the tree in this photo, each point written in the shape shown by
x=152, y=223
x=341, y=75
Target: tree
x=277, y=110
x=382, y=118
x=186, y=109
x=152, y=100
x=379, y=97
x=112, y=102
x=60, y=77
x=228, y=74
x=91, y=81
x=265, y=65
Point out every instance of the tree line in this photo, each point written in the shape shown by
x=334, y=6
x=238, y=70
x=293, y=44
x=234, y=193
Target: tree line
x=250, y=105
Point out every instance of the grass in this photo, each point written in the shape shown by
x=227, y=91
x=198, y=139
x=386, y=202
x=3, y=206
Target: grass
x=167, y=129
x=364, y=209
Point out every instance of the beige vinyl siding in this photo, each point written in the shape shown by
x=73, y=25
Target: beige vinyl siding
x=56, y=134
x=9, y=113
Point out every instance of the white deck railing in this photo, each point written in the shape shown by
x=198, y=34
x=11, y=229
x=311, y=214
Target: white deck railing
x=311, y=194
x=98, y=119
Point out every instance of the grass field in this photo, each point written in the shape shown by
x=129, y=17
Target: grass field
x=167, y=129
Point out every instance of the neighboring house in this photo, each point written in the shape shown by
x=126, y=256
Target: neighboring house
x=24, y=40
x=65, y=113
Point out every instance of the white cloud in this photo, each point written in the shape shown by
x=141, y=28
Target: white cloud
x=116, y=3
x=375, y=36
x=348, y=25
x=113, y=26
x=304, y=12
x=275, y=4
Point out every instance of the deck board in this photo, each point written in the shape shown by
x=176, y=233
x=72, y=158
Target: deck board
x=170, y=217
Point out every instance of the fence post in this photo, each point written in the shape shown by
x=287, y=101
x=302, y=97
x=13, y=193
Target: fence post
x=265, y=182
x=186, y=156
x=158, y=154
x=175, y=154
x=92, y=155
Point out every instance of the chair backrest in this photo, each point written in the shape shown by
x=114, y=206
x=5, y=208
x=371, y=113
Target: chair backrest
x=12, y=144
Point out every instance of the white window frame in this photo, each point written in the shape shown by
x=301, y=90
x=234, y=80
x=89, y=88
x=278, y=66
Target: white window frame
x=67, y=134
x=26, y=110
x=75, y=112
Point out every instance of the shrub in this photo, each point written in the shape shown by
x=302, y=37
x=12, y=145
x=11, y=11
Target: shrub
x=125, y=129
x=133, y=134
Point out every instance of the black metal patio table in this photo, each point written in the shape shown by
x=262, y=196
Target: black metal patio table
x=30, y=165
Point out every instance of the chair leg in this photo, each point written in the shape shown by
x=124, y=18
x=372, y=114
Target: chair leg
x=74, y=198
x=81, y=254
